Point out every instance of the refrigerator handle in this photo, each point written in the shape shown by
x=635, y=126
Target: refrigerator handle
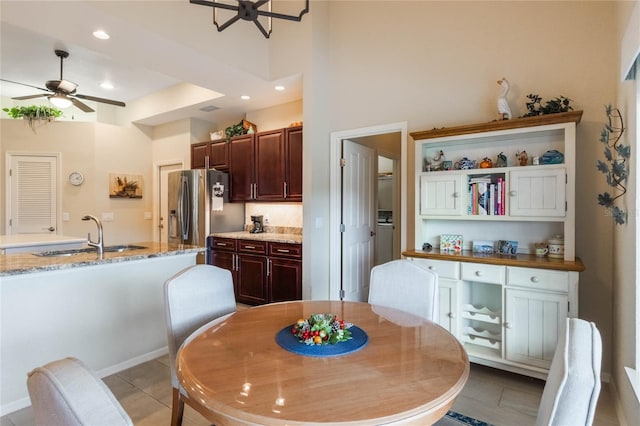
x=183, y=208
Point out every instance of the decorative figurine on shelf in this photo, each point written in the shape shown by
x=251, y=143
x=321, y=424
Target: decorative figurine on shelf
x=501, y=160
x=436, y=164
x=486, y=163
x=503, y=106
x=522, y=158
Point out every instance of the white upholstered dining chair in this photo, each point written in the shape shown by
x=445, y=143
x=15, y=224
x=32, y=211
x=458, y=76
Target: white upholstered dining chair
x=403, y=285
x=195, y=296
x=571, y=393
x=68, y=393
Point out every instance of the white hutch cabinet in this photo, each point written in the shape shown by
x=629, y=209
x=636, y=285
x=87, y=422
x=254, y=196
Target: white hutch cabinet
x=507, y=310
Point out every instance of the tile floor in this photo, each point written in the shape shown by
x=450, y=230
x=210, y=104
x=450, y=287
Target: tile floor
x=495, y=396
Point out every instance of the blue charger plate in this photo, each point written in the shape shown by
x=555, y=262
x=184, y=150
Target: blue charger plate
x=288, y=341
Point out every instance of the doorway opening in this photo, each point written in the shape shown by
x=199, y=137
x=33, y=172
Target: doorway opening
x=354, y=199
x=161, y=170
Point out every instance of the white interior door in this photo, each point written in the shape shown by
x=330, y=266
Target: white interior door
x=32, y=198
x=359, y=177
x=161, y=207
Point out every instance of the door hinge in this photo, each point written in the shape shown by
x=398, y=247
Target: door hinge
x=341, y=294
x=566, y=178
x=10, y=222
x=10, y=171
x=342, y=227
x=568, y=306
x=566, y=206
x=343, y=162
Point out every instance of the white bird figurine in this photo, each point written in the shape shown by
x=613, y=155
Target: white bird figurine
x=503, y=105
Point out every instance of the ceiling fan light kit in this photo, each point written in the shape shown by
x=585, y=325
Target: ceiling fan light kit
x=62, y=93
x=249, y=11
x=60, y=100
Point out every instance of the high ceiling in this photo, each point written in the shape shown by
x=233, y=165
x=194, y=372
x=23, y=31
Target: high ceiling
x=154, y=46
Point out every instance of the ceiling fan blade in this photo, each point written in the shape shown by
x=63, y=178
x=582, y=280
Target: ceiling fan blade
x=82, y=106
x=24, y=84
x=103, y=100
x=22, y=98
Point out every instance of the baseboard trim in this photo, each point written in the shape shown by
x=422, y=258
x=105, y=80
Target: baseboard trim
x=108, y=371
x=618, y=406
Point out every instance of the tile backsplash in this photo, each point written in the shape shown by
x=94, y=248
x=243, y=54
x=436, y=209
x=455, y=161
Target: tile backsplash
x=275, y=214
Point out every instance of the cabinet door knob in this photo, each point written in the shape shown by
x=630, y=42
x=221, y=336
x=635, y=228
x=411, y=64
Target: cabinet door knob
x=451, y=315
x=479, y=273
x=432, y=268
x=534, y=279
x=507, y=325
x=456, y=194
x=513, y=193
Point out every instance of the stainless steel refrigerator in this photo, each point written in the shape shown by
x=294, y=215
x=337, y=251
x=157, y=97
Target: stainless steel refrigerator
x=198, y=204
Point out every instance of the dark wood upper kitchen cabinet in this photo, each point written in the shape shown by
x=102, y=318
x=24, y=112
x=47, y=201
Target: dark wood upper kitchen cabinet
x=216, y=154
x=270, y=166
x=267, y=166
x=199, y=154
x=241, y=167
x=293, y=172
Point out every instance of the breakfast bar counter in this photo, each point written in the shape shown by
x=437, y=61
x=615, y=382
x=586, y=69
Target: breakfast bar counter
x=107, y=310
x=24, y=263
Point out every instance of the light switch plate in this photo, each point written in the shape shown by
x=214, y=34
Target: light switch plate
x=107, y=216
x=65, y=216
x=147, y=215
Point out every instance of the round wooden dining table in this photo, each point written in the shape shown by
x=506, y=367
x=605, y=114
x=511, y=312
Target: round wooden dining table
x=409, y=371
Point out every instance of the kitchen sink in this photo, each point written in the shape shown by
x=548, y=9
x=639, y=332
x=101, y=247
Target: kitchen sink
x=72, y=252
x=121, y=248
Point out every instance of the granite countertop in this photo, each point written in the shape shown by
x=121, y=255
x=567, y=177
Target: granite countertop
x=273, y=237
x=28, y=240
x=24, y=263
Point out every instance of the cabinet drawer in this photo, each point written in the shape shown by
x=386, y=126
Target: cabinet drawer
x=443, y=268
x=293, y=251
x=494, y=274
x=252, y=246
x=541, y=279
x=228, y=244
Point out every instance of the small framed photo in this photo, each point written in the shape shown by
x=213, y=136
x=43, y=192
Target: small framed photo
x=482, y=246
x=451, y=243
x=508, y=247
x=447, y=165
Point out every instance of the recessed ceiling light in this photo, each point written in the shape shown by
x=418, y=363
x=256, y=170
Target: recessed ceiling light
x=102, y=35
x=106, y=85
x=279, y=88
x=245, y=97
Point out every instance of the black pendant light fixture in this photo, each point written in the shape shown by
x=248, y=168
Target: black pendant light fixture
x=249, y=11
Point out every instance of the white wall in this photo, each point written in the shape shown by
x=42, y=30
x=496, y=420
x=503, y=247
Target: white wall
x=625, y=254
x=95, y=150
x=436, y=64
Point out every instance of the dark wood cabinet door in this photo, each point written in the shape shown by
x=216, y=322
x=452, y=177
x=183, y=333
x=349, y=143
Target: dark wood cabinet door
x=225, y=260
x=219, y=156
x=270, y=165
x=252, y=279
x=293, y=146
x=241, y=166
x=285, y=280
x=199, y=154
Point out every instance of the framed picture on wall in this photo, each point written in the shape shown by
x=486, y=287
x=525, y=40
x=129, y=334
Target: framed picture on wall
x=123, y=185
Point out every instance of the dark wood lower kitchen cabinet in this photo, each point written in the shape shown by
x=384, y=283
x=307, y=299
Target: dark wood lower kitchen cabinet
x=263, y=272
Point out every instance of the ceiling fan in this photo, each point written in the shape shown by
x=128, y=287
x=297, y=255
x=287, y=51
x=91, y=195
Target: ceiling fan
x=62, y=93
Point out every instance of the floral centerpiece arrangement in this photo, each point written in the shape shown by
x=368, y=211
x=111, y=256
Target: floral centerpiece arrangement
x=322, y=329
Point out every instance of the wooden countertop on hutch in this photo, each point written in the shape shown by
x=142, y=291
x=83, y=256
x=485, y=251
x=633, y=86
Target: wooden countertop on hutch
x=516, y=123
x=520, y=260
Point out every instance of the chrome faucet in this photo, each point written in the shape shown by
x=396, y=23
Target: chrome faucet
x=99, y=245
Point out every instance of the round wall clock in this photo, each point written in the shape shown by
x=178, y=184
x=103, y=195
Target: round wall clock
x=76, y=178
